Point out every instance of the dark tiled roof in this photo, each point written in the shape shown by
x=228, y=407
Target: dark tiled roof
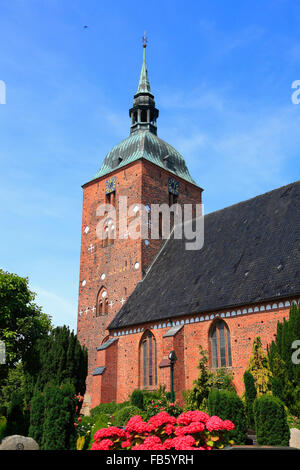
x=251, y=254
x=107, y=344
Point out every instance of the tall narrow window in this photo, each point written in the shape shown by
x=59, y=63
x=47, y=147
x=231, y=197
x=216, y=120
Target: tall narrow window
x=220, y=345
x=148, y=360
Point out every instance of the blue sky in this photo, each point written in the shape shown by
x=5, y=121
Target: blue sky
x=221, y=73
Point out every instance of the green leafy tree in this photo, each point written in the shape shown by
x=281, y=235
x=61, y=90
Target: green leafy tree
x=259, y=367
x=196, y=398
x=21, y=320
x=14, y=382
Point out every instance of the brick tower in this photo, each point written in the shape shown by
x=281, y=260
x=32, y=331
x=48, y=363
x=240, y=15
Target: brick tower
x=146, y=170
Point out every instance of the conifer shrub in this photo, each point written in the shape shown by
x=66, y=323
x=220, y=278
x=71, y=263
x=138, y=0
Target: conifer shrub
x=228, y=405
x=137, y=399
x=122, y=416
x=37, y=410
x=270, y=421
x=250, y=395
x=58, y=426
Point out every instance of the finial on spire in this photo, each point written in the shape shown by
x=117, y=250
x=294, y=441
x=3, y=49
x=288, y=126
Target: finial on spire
x=144, y=40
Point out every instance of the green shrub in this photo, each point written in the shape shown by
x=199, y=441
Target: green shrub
x=102, y=420
x=137, y=399
x=37, y=412
x=228, y=405
x=2, y=427
x=250, y=395
x=122, y=416
x=277, y=387
x=271, y=421
x=108, y=408
x=58, y=425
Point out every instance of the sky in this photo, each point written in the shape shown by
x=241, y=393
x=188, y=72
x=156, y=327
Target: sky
x=221, y=73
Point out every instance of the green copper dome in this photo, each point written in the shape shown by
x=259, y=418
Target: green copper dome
x=143, y=141
x=145, y=144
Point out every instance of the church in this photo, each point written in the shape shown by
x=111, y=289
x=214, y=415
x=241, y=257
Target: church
x=141, y=298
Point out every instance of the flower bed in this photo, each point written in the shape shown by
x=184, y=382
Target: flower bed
x=193, y=430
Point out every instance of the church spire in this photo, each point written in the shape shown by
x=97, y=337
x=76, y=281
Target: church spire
x=144, y=84
x=143, y=113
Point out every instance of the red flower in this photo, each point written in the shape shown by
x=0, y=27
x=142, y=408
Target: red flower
x=102, y=445
x=215, y=424
x=190, y=429
x=126, y=443
x=109, y=432
x=228, y=425
x=190, y=416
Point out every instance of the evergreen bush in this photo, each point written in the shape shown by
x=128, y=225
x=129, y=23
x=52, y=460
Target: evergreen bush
x=122, y=416
x=250, y=395
x=270, y=421
x=137, y=399
x=37, y=410
x=58, y=426
x=228, y=405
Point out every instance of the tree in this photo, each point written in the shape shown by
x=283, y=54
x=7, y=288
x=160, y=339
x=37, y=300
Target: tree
x=259, y=367
x=197, y=396
x=21, y=320
x=57, y=358
x=286, y=372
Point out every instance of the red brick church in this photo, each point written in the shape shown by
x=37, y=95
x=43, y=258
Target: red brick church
x=141, y=298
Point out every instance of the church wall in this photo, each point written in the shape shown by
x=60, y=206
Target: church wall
x=243, y=328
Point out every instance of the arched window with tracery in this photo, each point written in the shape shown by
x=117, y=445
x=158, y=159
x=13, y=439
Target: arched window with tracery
x=102, y=302
x=148, y=360
x=220, y=345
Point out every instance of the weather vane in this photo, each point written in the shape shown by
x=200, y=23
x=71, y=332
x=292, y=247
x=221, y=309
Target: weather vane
x=144, y=39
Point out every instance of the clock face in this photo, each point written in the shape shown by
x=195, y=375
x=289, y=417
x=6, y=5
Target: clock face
x=110, y=185
x=173, y=186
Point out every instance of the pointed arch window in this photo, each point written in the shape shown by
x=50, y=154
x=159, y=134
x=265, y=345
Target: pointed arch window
x=102, y=302
x=148, y=360
x=220, y=345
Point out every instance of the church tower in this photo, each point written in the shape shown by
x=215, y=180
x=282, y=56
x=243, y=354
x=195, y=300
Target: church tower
x=145, y=170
